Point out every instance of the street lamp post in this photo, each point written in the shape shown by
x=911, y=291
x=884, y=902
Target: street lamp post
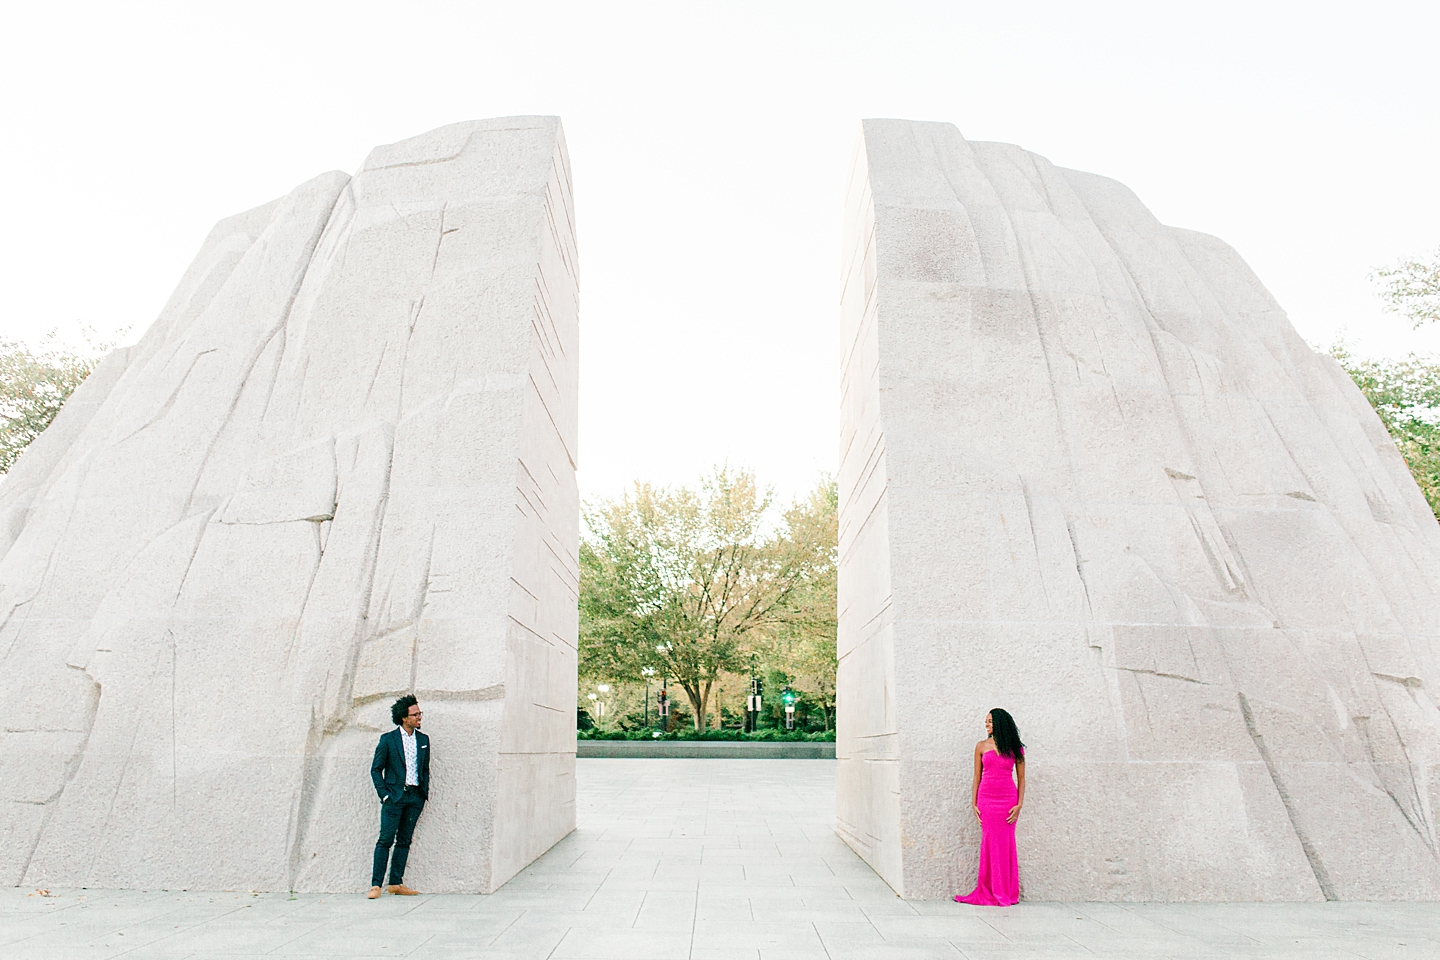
x=647, y=673
x=662, y=699
x=752, y=702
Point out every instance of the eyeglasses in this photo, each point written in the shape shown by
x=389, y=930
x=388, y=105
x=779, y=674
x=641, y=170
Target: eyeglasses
x=417, y=713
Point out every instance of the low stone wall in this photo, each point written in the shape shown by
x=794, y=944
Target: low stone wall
x=706, y=750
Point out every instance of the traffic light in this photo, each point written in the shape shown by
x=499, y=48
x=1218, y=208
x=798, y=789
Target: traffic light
x=788, y=697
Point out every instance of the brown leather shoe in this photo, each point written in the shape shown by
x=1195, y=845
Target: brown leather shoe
x=399, y=889
x=374, y=894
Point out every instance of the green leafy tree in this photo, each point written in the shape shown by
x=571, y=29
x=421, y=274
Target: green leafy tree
x=1406, y=395
x=1412, y=288
x=803, y=645
x=690, y=583
x=34, y=385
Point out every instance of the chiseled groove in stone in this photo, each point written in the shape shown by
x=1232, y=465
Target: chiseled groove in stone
x=495, y=692
x=1322, y=876
x=71, y=766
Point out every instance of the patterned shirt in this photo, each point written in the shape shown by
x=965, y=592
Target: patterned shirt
x=412, y=765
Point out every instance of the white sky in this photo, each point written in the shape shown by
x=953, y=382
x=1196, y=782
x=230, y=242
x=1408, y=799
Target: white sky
x=709, y=144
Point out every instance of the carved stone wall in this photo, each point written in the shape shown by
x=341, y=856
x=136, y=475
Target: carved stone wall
x=1090, y=474
x=339, y=467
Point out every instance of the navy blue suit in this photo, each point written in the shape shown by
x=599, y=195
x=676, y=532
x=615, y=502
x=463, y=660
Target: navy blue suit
x=400, y=805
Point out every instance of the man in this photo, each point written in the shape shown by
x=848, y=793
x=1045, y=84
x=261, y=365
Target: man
x=401, y=771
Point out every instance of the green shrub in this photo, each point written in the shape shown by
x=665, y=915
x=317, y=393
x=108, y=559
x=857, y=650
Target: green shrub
x=760, y=736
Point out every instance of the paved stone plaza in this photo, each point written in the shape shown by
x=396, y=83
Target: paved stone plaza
x=699, y=859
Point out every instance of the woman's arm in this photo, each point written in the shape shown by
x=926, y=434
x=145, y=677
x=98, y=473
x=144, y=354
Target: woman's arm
x=975, y=786
x=1020, y=798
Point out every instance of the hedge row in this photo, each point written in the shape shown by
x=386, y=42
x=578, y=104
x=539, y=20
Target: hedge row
x=785, y=736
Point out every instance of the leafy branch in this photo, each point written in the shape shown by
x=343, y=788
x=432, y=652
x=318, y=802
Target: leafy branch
x=34, y=385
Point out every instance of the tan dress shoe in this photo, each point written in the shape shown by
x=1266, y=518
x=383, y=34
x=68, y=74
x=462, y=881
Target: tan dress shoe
x=374, y=894
x=399, y=889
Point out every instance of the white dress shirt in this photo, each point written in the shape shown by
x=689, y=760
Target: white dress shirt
x=412, y=764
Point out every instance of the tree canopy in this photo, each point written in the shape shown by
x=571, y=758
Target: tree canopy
x=693, y=583
x=1412, y=288
x=803, y=644
x=34, y=385
x=1406, y=395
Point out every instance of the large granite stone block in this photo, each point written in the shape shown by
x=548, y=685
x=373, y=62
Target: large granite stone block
x=1090, y=473
x=338, y=468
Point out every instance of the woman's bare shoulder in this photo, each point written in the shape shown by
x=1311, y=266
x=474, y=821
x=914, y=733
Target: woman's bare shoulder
x=981, y=745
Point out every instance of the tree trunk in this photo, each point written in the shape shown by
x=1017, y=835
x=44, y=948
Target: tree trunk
x=698, y=696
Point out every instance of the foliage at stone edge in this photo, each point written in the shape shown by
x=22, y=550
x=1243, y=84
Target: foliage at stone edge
x=1406, y=395
x=34, y=385
x=691, y=584
x=1412, y=288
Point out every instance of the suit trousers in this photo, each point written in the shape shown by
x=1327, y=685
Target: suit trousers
x=397, y=825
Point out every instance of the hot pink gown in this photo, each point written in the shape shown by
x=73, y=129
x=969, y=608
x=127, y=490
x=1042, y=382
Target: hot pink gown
x=999, y=882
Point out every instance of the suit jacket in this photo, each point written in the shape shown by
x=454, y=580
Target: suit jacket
x=387, y=770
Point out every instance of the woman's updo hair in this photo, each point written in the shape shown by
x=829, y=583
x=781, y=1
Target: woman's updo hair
x=1006, y=735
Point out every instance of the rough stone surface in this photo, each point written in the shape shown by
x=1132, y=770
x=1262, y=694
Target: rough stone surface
x=339, y=467
x=1091, y=474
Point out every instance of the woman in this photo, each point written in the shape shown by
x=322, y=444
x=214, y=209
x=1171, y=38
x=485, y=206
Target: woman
x=997, y=801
